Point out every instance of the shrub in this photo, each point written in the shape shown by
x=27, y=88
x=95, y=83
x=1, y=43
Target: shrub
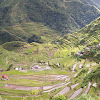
x=13, y=45
x=34, y=38
x=59, y=97
x=94, y=75
x=85, y=97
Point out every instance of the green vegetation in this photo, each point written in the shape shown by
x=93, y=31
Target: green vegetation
x=35, y=38
x=32, y=37
x=14, y=92
x=11, y=46
x=25, y=31
x=60, y=97
x=87, y=36
x=94, y=75
x=88, y=97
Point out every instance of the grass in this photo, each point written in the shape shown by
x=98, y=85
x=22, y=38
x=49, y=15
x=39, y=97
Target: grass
x=88, y=97
x=92, y=90
x=30, y=72
x=1, y=85
x=44, y=96
x=13, y=92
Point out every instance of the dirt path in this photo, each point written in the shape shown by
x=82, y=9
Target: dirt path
x=76, y=93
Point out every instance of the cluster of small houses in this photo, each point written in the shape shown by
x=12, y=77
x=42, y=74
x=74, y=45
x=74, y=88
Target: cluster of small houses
x=35, y=67
x=80, y=53
x=16, y=68
x=86, y=50
x=4, y=77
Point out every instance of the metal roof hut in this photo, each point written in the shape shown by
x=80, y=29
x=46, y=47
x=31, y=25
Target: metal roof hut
x=3, y=75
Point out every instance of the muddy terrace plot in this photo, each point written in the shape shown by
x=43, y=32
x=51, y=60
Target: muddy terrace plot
x=43, y=77
x=19, y=87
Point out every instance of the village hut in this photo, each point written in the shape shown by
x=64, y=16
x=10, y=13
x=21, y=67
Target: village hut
x=87, y=49
x=58, y=64
x=16, y=68
x=20, y=68
x=37, y=67
x=1, y=70
x=3, y=75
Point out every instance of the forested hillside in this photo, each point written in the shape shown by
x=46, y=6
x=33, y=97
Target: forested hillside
x=89, y=35
x=60, y=15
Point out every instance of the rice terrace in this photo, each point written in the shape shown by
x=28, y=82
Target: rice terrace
x=49, y=49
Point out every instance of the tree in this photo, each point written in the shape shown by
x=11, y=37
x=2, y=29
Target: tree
x=34, y=38
x=10, y=66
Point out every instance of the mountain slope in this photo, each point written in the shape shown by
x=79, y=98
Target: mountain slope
x=88, y=35
x=64, y=16
x=60, y=56
x=25, y=31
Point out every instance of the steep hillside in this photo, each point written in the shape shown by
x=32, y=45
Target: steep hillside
x=25, y=32
x=64, y=16
x=87, y=41
x=68, y=66
x=89, y=35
